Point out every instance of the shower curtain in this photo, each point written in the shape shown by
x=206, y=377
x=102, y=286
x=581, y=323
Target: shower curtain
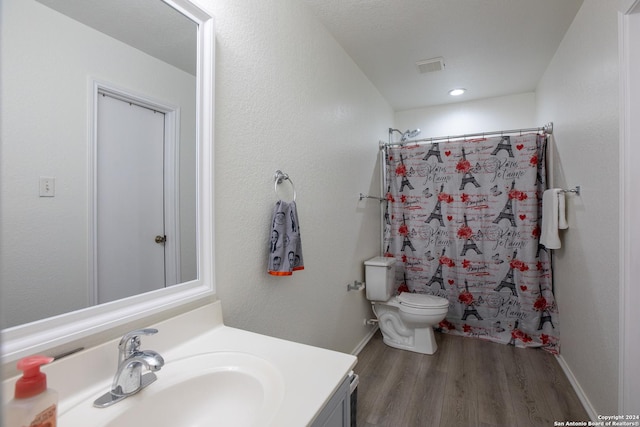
x=462, y=219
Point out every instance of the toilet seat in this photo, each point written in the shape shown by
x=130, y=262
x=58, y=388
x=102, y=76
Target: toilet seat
x=412, y=300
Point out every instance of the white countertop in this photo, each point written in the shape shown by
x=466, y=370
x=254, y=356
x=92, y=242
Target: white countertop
x=311, y=374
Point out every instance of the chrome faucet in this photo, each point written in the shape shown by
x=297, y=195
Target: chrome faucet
x=129, y=379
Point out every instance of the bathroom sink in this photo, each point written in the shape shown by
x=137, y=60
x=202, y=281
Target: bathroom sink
x=219, y=388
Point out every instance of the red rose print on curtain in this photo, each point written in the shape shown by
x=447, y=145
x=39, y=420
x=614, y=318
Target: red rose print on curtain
x=463, y=166
x=540, y=304
x=534, y=160
x=465, y=232
x=465, y=297
x=517, y=334
x=444, y=197
x=447, y=261
x=517, y=195
x=519, y=265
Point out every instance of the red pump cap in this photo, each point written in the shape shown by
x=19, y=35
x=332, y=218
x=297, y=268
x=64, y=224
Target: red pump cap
x=32, y=382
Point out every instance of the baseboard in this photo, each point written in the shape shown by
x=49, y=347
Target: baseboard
x=364, y=341
x=593, y=414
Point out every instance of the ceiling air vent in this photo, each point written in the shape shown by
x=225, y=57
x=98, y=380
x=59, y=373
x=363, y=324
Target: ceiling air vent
x=430, y=65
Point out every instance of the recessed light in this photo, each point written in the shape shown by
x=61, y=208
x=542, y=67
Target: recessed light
x=457, y=92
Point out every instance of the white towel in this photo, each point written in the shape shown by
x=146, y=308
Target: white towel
x=562, y=217
x=553, y=218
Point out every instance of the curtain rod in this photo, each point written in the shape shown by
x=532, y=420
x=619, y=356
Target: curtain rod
x=548, y=129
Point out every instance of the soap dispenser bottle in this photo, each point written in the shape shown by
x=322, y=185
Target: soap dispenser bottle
x=33, y=404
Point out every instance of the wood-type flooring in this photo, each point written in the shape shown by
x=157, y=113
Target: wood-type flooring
x=466, y=383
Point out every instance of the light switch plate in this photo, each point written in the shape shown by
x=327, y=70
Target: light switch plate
x=47, y=186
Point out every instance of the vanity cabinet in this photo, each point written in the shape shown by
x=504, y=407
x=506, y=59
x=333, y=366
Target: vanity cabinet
x=337, y=412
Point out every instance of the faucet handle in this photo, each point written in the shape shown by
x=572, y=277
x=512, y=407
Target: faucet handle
x=130, y=342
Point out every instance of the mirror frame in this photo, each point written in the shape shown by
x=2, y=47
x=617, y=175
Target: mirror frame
x=53, y=332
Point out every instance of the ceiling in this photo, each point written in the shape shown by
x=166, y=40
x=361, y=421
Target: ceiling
x=147, y=25
x=490, y=47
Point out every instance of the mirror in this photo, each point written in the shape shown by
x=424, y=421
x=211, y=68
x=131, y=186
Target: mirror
x=55, y=127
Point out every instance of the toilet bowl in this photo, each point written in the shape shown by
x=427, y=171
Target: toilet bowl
x=406, y=320
x=409, y=325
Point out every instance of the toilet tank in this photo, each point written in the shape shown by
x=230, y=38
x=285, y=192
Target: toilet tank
x=379, y=278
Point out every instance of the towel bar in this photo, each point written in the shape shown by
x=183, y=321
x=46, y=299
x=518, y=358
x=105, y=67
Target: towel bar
x=366, y=196
x=575, y=190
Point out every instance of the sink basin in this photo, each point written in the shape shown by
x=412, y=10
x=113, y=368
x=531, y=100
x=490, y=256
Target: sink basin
x=220, y=388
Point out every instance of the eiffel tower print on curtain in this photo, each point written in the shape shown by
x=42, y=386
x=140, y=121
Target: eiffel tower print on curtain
x=545, y=315
x=469, y=243
x=507, y=210
x=436, y=213
x=405, y=179
x=406, y=241
x=470, y=309
x=468, y=177
x=541, y=247
x=541, y=144
x=437, y=276
x=504, y=144
x=387, y=218
x=514, y=333
x=508, y=281
x=433, y=151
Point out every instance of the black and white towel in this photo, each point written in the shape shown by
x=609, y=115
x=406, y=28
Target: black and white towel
x=285, y=246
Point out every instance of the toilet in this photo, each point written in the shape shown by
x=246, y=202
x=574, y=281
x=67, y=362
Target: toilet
x=406, y=320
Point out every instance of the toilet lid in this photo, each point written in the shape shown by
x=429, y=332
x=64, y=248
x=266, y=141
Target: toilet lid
x=422, y=300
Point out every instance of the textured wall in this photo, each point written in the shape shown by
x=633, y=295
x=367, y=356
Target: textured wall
x=579, y=93
x=504, y=112
x=288, y=97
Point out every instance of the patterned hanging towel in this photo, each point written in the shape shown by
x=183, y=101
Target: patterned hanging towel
x=285, y=246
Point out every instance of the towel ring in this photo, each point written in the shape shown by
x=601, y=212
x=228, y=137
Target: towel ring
x=281, y=176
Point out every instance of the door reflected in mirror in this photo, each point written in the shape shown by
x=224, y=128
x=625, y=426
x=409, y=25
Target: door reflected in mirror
x=95, y=205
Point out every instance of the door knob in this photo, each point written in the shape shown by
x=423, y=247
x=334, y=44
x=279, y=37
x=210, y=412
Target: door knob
x=161, y=239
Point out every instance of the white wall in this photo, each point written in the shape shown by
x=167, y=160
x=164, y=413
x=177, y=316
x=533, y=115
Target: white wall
x=288, y=97
x=579, y=93
x=629, y=30
x=490, y=114
x=47, y=62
